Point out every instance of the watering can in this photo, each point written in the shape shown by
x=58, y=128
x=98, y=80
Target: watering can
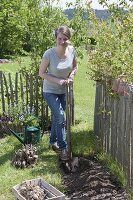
x=31, y=135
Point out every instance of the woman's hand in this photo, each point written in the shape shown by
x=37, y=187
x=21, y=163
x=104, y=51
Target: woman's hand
x=69, y=81
x=62, y=82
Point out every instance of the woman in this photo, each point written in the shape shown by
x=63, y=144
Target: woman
x=58, y=68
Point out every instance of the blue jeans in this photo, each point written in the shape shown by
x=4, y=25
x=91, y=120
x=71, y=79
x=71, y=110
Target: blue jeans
x=57, y=104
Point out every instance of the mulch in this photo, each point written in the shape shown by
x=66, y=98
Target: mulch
x=92, y=181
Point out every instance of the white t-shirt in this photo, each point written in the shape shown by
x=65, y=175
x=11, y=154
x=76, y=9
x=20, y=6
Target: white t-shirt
x=60, y=68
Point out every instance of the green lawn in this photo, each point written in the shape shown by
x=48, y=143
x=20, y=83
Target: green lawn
x=84, y=90
x=15, y=65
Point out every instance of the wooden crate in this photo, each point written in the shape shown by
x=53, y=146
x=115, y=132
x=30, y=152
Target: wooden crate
x=52, y=192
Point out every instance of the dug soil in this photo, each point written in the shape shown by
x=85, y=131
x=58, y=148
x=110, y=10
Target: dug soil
x=92, y=181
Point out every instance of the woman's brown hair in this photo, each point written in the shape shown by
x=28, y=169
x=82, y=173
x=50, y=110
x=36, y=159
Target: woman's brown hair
x=64, y=30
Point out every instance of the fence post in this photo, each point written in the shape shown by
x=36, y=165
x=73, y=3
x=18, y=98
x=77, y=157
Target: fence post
x=2, y=92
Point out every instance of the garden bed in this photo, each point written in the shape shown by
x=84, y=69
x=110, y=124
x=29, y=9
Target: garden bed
x=94, y=182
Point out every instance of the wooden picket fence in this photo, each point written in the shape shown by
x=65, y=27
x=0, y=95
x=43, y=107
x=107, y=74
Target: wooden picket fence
x=113, y=125
x=23, y=94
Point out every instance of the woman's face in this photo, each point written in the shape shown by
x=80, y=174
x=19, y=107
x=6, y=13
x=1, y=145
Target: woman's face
x=62, y=40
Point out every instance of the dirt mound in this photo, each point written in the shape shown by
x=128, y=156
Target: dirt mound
x=94, y=182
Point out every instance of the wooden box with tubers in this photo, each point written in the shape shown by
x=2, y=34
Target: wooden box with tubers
x=36, y=189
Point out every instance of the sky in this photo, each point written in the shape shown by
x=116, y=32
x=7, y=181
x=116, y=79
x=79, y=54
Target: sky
x=94, y=4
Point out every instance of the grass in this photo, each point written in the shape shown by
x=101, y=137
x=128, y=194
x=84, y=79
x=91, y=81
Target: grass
x=84, y=96
x=83, y=140
x=15, y=65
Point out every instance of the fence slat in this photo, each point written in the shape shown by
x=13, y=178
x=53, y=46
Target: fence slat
x=27, y=90
x=7, y=90
x=2, y=93
x=97, y=114
x=36, y=95
x=113, y=127
x=31, y=92
x=126, y=146
x=131, y=157
x=121, y=129
x=131, y=141
x=22, y=91
x=11, y=90
x=108, y=124
x=16, y=88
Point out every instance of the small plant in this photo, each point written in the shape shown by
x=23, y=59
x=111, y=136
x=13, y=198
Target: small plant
x=17, y=119
x=5, y=121
x=29, y=120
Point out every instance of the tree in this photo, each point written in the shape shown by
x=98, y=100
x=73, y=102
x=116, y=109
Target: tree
x=12, y=22
x=112, y=57
x=25, y=25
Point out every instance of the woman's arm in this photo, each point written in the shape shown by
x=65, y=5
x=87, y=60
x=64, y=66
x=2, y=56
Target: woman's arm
x=74, y=70
x=44, y=75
